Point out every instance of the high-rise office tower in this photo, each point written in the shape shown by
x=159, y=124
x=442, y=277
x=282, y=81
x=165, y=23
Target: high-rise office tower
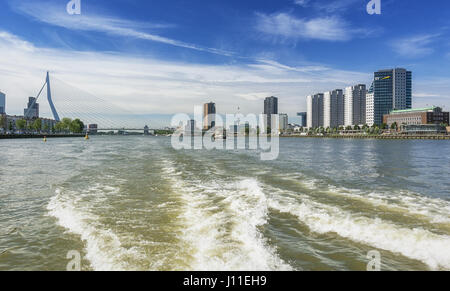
x=315, y=110
x=2, y=103
x=190, y=127
x=32, y=110
x=355, y=105
x=284, y=121
x=303, y=118
x=209, y=116
x=270, y=107
x=392, y=91
x=333, y=108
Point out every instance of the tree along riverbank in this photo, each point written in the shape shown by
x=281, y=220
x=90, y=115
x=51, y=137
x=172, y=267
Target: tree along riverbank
x=15, y=136
x=359, y=136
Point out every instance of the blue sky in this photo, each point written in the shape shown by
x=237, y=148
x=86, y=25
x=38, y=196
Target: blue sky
x=167, y=56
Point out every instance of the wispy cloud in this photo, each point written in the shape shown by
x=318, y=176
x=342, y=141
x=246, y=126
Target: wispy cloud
x=46, y=12
x=303, y=3
x=304, y=69
x=415, y=46
x=432, y=91
x=149, y=85
x=336, y=5
x=255, y=96
x=425, y=95
x=327, y=5
x=286, y=26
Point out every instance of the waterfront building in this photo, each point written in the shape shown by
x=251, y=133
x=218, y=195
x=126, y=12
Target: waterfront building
x=284, y=121
x=11, y=122
x=424, y=129
x=3, y=123
x=430, y=115
x=270, y=107
x=296, y=127
x=48, y=124
x=315, y=110
x=303, y=118
x=2, y=103
x=333, y=108
x=32, y=110
x=370, y=107
x=191, y=128
x=392, y=90
x=93, y=128
x=209, y=115
x=233, y=130
x=355, y=105
x=243, y=129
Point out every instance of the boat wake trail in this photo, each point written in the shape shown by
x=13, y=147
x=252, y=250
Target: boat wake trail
x=415, y=243
x=103, y=247
x=223, y=224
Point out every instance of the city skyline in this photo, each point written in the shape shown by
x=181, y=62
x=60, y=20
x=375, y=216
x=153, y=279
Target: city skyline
x=168, y=64
x=391, y=89
x=219, y=138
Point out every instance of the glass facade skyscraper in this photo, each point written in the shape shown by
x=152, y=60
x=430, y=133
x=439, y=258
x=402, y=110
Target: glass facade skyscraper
x=392, y=90
x=302, y=116
x=209, y=115
x=2, y=103
x=270, y=107
x=32, y=110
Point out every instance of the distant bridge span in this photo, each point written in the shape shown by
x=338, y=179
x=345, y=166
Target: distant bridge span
x=114, y=129
x=88, y=108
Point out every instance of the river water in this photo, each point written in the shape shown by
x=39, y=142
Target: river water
x=135, y=203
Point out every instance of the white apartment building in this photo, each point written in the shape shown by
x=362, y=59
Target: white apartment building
x=333, y=108
x=283, y=126
x=355, y=105
x=315, y=110
x=370, y=108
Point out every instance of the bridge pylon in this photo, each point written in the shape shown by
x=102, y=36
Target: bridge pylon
x=49, y=98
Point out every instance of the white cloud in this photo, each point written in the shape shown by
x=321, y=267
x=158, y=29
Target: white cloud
x=425, y=95
x=286, y=26
x=152, y=86
x=431, y=91
x=415, y=46
x=255, y=96
x=47, y=13
x=303, y=3
x=338, y=5
x=330, y=6
x=274, y=64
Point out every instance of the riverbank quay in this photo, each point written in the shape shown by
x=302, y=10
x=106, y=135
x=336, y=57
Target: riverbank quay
x=360, y=136
x=41, y=136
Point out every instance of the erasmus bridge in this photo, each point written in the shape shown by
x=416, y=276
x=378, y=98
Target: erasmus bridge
x=65, y=100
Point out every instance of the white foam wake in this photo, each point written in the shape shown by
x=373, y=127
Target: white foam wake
x=222, y=222
x=249, y=211
x=434, y=210
x=417, y=243
x=103, y=247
